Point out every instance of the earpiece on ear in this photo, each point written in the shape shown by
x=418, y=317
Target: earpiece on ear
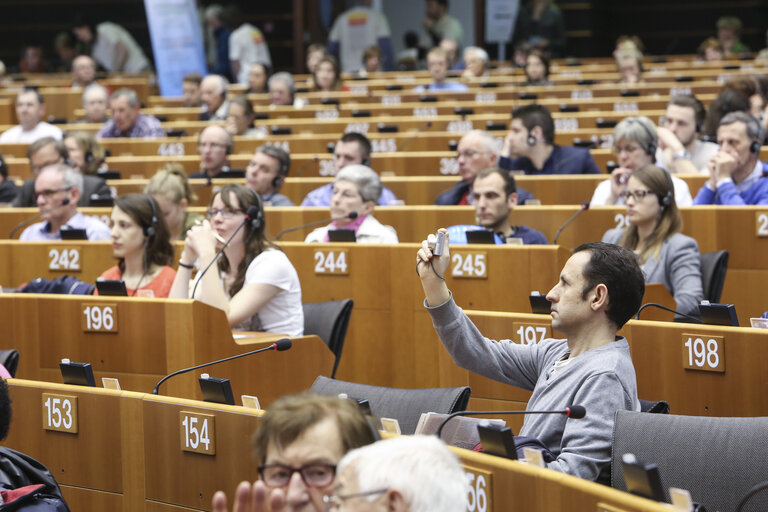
x=531, y=140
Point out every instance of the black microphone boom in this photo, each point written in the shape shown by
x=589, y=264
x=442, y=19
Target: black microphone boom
x=584, y=207
x=312, y=160
x=637, y=316
x=27, y=222
x=572, y=411
x=350, y=215
x=251, y=214
x=279, y=345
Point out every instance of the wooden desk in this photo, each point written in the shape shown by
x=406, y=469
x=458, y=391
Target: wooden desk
x=658, y=352
x=153, y=338
x=129, y=455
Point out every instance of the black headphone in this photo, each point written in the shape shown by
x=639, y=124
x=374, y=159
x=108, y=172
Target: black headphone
x=531, y=140
x=757, y=128
x=366, y=161
x=258, y=221
x=666, y=200
x=150, y=230
x=282, y=172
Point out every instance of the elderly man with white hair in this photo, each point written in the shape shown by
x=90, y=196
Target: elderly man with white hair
x=402, y=474
x=355, y=193
x=95, y=101
x=476, y=62
x=213, y=92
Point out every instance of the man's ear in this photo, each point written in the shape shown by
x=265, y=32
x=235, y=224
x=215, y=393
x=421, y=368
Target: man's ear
x=76, y=193
x=396, y=501
x=599, y=298
x=537, y=132
x=512, y=200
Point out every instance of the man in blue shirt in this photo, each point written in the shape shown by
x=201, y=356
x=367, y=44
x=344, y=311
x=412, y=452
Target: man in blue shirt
x=437, y=63
x=530, y=146
x=735, y=173
x=57, y=191
x=352, y=148
x=495, y=196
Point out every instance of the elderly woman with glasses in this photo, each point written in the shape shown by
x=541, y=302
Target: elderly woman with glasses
x=356, y=192
x=635, y=142
x=666, y=255
x=253, y=281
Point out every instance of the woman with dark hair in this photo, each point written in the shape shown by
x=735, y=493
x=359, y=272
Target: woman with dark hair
x=327, y=75
x=731, y=99
x=142, y=247
x=537, y=68
x=256, y=284
x=665, y=255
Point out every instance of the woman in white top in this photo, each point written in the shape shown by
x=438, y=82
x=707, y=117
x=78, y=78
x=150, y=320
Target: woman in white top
x=635, y=141
x=357, y=189
x=256, y=285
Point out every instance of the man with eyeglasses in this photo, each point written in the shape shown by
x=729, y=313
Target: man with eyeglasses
x=214, y=146
x=57, y=190
x=300, y=440
x=402, y=474
x=477, y=150
x=49, y=151
x=635, y=141
x=530, y=146
x=351, y=149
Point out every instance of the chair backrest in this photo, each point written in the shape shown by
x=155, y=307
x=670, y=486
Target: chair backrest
x=10, y=359
x=329, y=321
x=405, y=405
x=714, y=265
x=717, y=459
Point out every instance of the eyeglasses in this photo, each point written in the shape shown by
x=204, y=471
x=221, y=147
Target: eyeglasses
x=469, y=154
x=628, y=149
x=316, y=474
x=227, y=213
x=335, y=501
x=637, y=195
x=50, y=193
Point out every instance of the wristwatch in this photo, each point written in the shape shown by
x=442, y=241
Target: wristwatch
x=681, y=154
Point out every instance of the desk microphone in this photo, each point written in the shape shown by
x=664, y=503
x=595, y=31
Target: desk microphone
x=208, y=183
x=573, y=411
x=250, y=216
x=584, y=207
x=418, y=131
x=27, y=222
x=660, y=306
x=301, y=168
x=279, y=345
x=350, y=215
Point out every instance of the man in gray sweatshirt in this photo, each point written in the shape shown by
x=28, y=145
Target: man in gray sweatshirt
x=601, y=286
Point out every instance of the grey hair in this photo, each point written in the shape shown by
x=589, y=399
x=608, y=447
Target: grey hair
x=421, y=468
x=488, y=141
x=222, y=84
x=95, y=88
x=70, y=178
x=129, y=94
x=638, y=129
x=214, y=11
x=364, y=178
x=481, y=53
x=284, y=77
x=754, y=129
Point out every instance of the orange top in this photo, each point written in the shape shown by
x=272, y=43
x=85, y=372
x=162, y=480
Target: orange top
x=160, y=285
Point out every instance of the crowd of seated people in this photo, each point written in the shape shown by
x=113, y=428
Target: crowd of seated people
x=228, y=260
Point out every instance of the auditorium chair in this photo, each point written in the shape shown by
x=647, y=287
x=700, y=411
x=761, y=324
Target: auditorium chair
x=329, y=321
x=717, y=459
x=714, y=265
x=404, y=405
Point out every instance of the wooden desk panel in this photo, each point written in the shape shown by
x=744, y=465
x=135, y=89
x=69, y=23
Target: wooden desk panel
x=657, y=349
